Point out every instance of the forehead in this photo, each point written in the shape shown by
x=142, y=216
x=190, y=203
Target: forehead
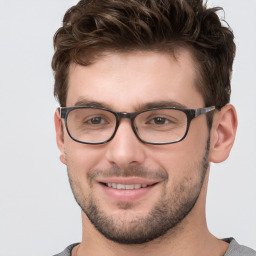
x=124, y=81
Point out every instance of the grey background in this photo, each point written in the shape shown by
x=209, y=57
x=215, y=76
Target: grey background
x=38, y=215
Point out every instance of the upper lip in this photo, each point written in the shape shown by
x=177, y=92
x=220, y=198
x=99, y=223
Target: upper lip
x=128, y=180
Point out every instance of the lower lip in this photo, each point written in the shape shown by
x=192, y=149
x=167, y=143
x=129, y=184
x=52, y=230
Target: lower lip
x=126, y=195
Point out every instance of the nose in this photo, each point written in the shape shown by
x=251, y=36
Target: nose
x=125, y=149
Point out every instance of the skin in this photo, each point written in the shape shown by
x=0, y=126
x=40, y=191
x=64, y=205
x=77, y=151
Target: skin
x=124, y=82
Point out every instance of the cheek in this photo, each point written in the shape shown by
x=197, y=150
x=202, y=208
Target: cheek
x=82, y=158
x=176, y=156
x=179, y=159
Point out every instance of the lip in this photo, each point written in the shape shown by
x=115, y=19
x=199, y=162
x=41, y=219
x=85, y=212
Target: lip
x=127, y=195
x=128, y=180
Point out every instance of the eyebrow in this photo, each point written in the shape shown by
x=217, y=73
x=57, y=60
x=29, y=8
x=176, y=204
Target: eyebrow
x=162, y=104
x=90, y=103
x=83, y=102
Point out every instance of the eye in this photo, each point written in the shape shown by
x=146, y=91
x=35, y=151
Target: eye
x=96, y=120
x=159, y=120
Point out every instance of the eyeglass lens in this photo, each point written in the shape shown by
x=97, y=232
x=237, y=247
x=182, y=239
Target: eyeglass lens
x=154, y=126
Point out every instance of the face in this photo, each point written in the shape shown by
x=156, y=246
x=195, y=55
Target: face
x=165, y=181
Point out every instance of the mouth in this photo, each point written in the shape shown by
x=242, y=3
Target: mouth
x=127, y=190
x=126, y=186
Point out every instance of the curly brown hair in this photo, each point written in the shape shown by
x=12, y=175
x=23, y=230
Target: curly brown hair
x=94, y=26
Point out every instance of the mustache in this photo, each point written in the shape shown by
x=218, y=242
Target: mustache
x=131, y=171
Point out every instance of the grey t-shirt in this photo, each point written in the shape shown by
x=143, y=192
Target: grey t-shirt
x=234, y=249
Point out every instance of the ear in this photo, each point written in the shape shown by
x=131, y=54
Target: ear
x=60, y=135
x=223, y=134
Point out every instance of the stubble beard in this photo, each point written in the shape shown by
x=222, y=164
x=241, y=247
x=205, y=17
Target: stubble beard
x=167, y=213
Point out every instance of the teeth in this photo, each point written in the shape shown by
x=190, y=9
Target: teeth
x=137, y=186
x=129, y=187
x=120, y=186
x=123, y=186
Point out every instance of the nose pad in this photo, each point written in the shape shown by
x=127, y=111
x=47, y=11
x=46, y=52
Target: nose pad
x=125, y=148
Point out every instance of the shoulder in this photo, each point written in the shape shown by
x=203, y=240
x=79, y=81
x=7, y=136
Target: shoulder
x=235, y=249
x=67, y=251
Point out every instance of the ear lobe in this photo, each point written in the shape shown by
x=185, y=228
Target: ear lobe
x=59, y=136
x=223, y=134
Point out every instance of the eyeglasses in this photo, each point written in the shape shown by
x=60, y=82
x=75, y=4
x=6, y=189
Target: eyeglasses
x=156, y=126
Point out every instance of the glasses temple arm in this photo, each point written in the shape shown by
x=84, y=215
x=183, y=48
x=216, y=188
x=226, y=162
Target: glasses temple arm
x=201, y=111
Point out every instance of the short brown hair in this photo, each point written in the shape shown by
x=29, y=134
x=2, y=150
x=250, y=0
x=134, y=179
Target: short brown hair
x=94, y=26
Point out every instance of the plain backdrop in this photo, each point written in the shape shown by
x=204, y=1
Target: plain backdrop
x=38, y=215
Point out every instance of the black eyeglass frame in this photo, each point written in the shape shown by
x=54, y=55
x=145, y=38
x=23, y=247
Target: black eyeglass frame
x=190, y=113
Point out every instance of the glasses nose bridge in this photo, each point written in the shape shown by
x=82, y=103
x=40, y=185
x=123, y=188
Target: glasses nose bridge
x=123, y=115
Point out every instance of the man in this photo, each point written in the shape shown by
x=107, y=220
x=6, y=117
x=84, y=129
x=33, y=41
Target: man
x=144, y=89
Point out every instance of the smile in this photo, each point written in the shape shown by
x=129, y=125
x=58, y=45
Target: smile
x=127, y=189
x=126, y=186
